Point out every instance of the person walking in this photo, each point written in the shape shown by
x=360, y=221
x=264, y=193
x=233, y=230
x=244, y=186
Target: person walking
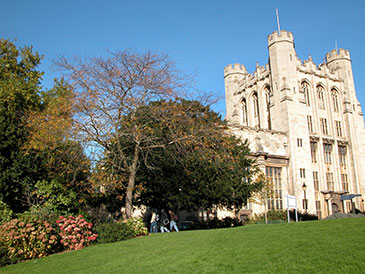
x=153, y=226
x=173, y=221
x=164, y=221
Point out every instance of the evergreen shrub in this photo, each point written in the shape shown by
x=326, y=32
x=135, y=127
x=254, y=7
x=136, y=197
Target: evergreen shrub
x=344, y=216
x=113, y=232
x=280, y=216
x=216, y=223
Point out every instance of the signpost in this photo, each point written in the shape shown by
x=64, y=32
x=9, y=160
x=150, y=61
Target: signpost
x=291, y=202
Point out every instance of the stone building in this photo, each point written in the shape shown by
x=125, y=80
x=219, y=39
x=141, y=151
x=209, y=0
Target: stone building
x=305, y=127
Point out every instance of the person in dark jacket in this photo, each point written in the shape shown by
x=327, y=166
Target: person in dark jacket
x=164, y=220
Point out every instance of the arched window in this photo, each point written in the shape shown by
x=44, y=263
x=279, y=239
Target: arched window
x=267, y=97
x=320, y=94
x=256, y=113
x=335, y=100
x=244, y=112
x=305, y=89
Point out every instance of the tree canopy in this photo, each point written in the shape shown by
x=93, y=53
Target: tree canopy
x=118, y=128
x=34, y=146
x=107, y=90
x=19, y=95
x=199, y=166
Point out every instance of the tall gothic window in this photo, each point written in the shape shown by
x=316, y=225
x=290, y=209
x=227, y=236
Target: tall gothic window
x=244, y=112
x=320, y=94
x=335, y=100
x=342, y=155
x=327, y=153
x=274, y=174
x=305, y=89
x=338, y=128
x=330, y=183
x=256, y=113
x=324, y=128
x=313, y=146
x=267, y=97
x=344, y=182
x=315, y=181
x=310, y=124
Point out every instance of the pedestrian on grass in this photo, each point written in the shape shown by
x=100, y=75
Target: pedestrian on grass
x=153, y=227
x=173, y=221
x=164, y=221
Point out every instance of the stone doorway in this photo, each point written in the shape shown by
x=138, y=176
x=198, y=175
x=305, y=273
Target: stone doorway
x=335, y=208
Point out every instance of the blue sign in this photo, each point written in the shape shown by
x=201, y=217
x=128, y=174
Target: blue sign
x=349, y=196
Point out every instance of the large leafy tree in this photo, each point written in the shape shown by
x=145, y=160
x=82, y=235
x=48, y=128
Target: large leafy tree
x=65, y=182
x=196, y=163
x=19, y=95
x=52, y=135
x=107, y=90
x=35, y=144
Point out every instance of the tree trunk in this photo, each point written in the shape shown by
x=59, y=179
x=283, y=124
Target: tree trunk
x=131, y=183
x=129, y=196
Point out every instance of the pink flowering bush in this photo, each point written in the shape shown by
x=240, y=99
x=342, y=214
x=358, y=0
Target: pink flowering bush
x=76, y=233
x=28, y=240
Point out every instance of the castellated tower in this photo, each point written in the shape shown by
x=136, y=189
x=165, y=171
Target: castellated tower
x=304, y=125
x=339, y=62
x=232, y=76
x=287, y=114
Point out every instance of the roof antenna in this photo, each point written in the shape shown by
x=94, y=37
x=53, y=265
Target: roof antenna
x=336, y=45
x=277, y=19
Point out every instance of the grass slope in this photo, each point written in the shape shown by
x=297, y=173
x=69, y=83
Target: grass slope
x=332, y=246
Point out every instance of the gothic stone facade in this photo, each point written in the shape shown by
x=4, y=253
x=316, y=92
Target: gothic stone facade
x=304, y=124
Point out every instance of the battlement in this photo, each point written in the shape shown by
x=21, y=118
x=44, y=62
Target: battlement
x=337, y=55
x=236, y=68
x=284, y=36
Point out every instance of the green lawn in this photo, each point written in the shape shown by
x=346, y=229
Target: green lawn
x=332, y=246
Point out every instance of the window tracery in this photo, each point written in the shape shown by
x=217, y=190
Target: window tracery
x=320, y=94
x=305, y=89
x=256, y=113
x=335, y=100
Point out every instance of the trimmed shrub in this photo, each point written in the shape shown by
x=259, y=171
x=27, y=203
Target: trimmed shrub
x=113, y=232
x=76, y=233
x=214, y=223
x=137, y=226
x=303, y=216
x=273, y=216
x=28, y=240
x=343, y=216
x=280, y=216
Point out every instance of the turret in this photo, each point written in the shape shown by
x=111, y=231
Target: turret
x=342, y=54
x=282, y=61
x=339, y=62
x=235, y=69
x=282, y=58
x=233, y=75
x=284, y=36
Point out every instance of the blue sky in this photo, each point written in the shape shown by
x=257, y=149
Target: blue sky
x=201, y=36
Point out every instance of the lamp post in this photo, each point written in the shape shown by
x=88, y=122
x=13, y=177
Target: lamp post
x=305, y=204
